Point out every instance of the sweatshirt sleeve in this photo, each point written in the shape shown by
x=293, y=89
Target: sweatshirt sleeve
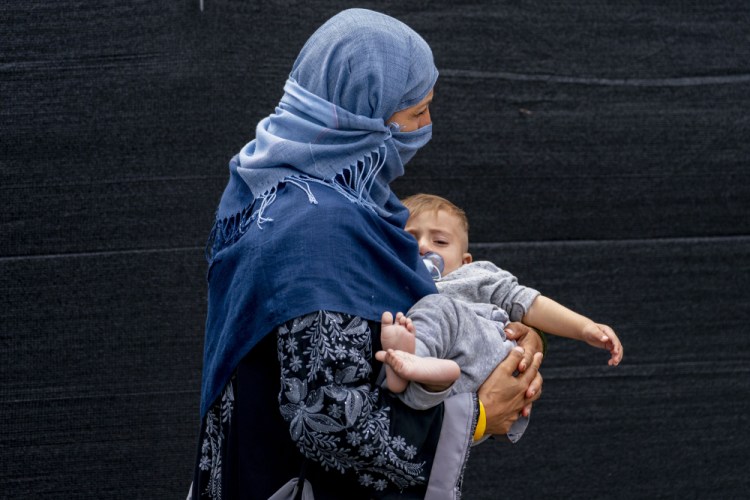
x=485, y=283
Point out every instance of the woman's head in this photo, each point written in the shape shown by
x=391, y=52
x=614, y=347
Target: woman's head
x=338, y=120
x=367, y=63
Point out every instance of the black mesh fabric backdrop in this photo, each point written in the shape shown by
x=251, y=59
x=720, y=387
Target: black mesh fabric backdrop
x=600, y=149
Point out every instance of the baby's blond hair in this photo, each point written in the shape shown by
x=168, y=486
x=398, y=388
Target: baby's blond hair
x=420, y=203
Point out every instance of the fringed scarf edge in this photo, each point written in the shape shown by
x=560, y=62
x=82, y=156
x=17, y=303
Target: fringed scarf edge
x=353, y=183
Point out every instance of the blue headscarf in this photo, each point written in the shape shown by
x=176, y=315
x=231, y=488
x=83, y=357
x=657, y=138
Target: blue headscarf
x=353, y=73
x=308, y=221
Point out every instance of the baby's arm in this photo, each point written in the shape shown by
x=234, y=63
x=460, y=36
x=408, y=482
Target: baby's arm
x=554, y=318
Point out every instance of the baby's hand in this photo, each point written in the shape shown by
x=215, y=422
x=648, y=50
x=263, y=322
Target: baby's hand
x=603, y=337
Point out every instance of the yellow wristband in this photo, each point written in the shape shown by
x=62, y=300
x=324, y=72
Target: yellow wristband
x=481, y=423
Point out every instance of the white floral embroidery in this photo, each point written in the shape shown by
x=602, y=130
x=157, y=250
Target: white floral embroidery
x=333, y=413
x=217, y=420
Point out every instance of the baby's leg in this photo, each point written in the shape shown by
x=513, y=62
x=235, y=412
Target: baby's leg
x=398, y=334
x=434, y=373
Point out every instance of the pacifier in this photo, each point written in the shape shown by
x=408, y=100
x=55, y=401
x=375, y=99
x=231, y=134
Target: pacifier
x=435, y=264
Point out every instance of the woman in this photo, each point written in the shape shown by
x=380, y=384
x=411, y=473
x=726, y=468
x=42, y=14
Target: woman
x=307, y=251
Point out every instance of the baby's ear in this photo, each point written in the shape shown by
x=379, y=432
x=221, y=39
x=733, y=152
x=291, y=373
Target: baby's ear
x=467, y=258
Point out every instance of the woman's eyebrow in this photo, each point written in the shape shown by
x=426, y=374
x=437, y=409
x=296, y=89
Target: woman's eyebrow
x=426, y=103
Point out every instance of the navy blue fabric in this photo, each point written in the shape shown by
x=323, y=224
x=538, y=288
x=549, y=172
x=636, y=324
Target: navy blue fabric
x=296, y=263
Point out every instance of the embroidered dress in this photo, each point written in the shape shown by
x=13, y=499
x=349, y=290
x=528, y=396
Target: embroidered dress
x=334, y=416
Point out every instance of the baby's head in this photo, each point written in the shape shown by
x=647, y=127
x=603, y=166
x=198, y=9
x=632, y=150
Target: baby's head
x=441, y=227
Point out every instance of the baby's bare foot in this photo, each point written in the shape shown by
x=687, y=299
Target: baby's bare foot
x=406, y=322
x=398, y=333
x=434, y=373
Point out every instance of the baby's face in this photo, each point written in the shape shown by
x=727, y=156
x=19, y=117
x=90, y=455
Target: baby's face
x=442, y=233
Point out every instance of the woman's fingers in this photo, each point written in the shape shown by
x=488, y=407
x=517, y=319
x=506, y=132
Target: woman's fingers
x=512, y=362
x=534, y=378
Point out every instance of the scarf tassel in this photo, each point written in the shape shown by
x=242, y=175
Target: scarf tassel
x=353, y=183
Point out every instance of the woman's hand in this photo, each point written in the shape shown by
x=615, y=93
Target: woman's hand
x=532, y=343
x=506, y=396
x=527, y=338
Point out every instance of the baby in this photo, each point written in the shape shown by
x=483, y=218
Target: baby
x=451, y=341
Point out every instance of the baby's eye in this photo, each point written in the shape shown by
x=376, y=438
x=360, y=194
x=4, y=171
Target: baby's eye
x=441, y=242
